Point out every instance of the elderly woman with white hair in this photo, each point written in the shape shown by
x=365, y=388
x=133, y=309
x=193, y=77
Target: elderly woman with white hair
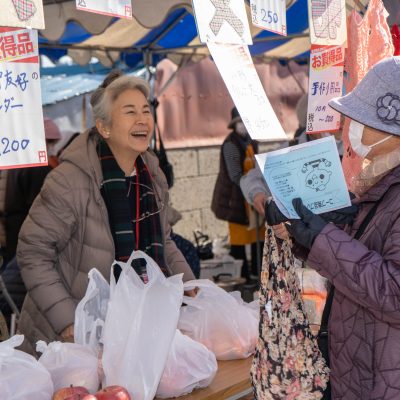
x=107, y=198
x=362, y=260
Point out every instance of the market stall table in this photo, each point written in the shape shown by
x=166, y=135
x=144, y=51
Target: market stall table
x=231, y=382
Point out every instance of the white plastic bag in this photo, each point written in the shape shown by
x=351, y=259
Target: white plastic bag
x=190, y=365
x=139, y=328
x=21, y=376
x=91, y=311
x=69, y=364
x=215, y=318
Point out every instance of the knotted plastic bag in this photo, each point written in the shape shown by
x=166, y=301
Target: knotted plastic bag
x=218, y=320
x=69, y=364
x=190, y=365
x=22, y=377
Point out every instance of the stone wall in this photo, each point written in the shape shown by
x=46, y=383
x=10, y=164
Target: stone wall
x=195, y=172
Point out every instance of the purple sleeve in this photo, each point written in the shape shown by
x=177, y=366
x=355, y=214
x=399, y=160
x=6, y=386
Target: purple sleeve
x=366, y=277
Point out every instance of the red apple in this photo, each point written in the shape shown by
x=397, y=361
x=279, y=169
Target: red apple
x=79, y=397
x=113, y=393
x=89, y=397
x=70, y=393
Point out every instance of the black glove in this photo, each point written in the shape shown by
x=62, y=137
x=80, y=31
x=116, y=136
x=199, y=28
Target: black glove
x=342, y=216
x=273, y=215
x=310, y=225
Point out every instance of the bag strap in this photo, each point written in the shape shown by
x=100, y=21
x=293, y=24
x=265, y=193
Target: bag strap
x=323, y=331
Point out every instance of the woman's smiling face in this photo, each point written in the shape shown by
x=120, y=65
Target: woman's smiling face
x=131, y=124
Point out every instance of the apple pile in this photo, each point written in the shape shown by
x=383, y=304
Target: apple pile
x=81, y=393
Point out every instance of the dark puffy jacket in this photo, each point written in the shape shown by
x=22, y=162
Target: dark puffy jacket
x=228, y=202
x=364, y=325
x=23, y=185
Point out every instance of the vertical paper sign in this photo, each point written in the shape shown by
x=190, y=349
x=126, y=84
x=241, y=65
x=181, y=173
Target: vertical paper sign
x=327, y=20
x=114, y=8
x=22, y=13
x=325, y=83
x=269, y=15
x=222, y=21
x=236, y=66
x=22, y=141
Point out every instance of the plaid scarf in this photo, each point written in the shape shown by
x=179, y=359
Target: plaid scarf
x=133, y=211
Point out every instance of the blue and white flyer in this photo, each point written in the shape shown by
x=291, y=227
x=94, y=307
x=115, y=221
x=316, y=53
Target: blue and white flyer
x=311, y=171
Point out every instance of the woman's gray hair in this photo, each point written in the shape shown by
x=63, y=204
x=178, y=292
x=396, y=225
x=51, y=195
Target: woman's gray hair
x=105, y=95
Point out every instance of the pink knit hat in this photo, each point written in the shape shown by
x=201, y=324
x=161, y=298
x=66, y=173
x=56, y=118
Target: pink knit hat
x=51, y=130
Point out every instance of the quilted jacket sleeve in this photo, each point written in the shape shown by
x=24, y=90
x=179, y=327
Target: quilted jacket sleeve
x=366, y=277
x=45, y=232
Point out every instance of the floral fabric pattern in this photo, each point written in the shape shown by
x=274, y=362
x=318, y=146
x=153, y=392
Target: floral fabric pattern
x=287, y=363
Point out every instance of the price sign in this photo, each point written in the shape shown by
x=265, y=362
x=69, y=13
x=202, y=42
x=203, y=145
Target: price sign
x=22, y=141
x=325, y=83
x=269, y=15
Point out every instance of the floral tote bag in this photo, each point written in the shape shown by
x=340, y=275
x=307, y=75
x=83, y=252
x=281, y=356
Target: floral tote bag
x=287, y=363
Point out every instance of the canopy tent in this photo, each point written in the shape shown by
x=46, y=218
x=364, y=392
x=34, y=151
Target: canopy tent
x=159, y=28
x=194, y=108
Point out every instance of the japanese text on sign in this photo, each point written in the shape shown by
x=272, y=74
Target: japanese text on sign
x=14, y=45
x=269, y=15
x=240, y=76
x=311, y=171
x=327, y=57
x=22, y=141
x=325, y=83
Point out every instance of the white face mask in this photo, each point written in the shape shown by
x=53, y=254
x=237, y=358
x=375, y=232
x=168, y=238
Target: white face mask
x=240, y=129
x=355, y=135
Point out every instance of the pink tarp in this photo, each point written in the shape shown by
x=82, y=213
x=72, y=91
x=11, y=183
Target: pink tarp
x=195, y=108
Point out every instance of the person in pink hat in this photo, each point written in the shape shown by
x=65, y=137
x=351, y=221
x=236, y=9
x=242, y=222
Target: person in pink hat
x=52, y=135
x=23, y=185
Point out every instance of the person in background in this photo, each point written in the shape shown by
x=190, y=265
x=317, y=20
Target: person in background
x=185, y=246
x=107, y=198
x=23, y=185
x=255, y=189
x=228, y=202
x=300, y=135
x=3, y=185
x=362, y=261
x=21, y=188
x=69, y=141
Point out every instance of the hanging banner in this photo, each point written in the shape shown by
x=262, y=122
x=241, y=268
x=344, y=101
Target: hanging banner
x=22, y=13
x=236, y=67
x=114, y=8
x=222, y=21
x=327, y=21
x=269, y=15
x=22, y=140
x=325, y=83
